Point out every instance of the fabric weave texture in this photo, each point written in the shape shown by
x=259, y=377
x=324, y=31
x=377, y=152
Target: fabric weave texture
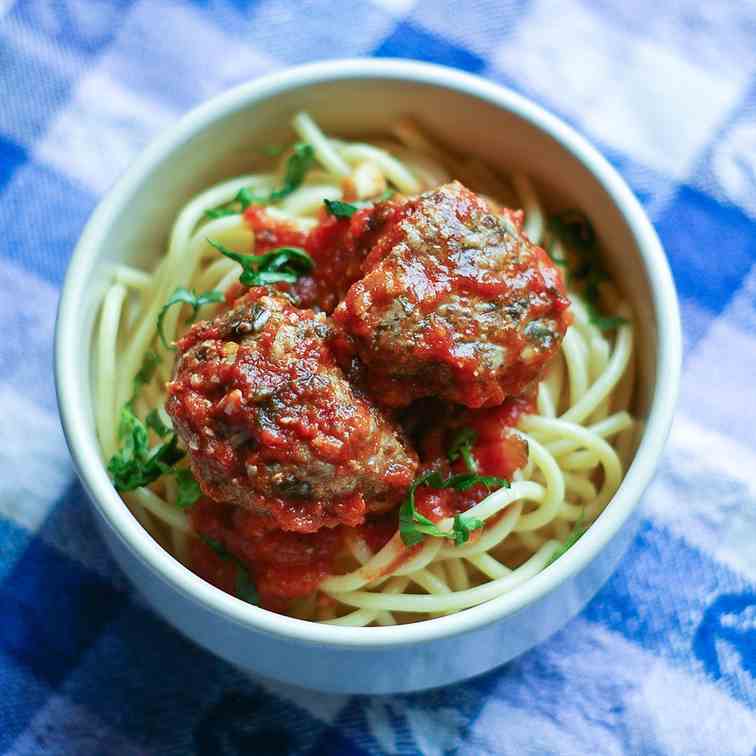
x=663, y=660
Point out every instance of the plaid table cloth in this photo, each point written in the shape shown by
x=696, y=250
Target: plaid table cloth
x=663, y=660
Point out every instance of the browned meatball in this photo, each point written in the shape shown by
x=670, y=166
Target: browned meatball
x=272, y=424
x=456, y=303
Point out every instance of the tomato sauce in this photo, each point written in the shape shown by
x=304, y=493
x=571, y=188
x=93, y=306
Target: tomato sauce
x=289, y=545
x=377, y=531
x=283, y=565
x=338, y=247
x=496, y=451
x=271, y=232
x=455, y=303
x=274, y=426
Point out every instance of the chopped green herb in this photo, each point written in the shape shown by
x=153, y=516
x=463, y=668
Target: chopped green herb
x=272, y=150
x=146, y=372
x=281, y=264
x=576, y=231
x=574, y=228
x=560, y=261
x=461, y=447
x=340, y=209
x=182, y=295
x=604, y=322
x=188, y=490
x=577, y=532
x=241, y=201
x=299, y=162
x=245, y=588
x=136, y=464
x=413, y=526
x=216, y=546
x=463, y=526
x=155, y=423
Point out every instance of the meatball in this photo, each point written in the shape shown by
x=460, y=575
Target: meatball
x=455, y=303
x=273, y=426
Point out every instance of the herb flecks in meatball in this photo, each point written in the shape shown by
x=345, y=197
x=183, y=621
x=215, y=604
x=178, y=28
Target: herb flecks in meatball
x=455, y=303
x=272, y=424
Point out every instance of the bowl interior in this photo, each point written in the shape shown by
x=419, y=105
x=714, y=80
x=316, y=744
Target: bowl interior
x=221, y=140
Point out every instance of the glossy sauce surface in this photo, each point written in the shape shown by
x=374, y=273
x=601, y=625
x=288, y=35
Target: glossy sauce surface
x=455, y=303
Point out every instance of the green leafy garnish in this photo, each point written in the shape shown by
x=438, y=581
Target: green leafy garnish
x=413, y=526
x=386, y=194
x=241, y=201
x=604, y=322
x=594, y=277
x=155, y=423
x=461, y=446
x=560, y=261
x=245, y=588
x=146, y=371
x=463, y=527
x=188, y=490
x=299, y=162
x=340, y=209
x=577, y=532
x=272, y=150
x=281, y=264
x=575, y=230
x=216, y=546
x=182, y=295
x=136, y=463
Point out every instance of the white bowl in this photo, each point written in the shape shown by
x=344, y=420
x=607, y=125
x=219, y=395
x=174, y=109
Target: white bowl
x=215, y=141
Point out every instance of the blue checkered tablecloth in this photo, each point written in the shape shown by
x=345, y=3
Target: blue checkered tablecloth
x=663, y=660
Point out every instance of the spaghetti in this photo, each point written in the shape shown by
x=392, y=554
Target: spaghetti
x=579, y=436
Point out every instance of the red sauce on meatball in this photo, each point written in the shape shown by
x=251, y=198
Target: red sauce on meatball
x=273, y=425
x=455, y=303
x=338, y=247
x=283, y=565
